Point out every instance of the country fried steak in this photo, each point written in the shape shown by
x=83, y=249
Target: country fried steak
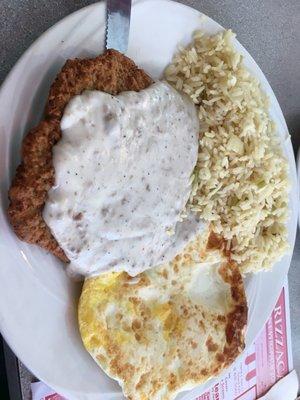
x=111, y=72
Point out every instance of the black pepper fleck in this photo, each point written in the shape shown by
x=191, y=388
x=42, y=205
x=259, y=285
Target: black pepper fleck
x=104, y=211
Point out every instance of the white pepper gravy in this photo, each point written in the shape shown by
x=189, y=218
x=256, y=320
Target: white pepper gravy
x=122, y=179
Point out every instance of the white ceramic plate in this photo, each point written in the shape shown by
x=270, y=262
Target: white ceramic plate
x=37, y=300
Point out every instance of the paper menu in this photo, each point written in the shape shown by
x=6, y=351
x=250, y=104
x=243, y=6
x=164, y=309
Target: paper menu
x=41, y=391
x=263, y=364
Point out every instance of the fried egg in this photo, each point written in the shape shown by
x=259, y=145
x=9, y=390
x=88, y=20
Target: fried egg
x=169, y=328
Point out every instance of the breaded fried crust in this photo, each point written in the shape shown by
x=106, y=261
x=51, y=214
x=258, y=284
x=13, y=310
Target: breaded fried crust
x=111, y=72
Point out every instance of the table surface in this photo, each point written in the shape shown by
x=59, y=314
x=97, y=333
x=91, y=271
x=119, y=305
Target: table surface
x=269, y=29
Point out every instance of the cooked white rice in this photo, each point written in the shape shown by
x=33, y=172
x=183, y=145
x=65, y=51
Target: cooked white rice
x=241, y=179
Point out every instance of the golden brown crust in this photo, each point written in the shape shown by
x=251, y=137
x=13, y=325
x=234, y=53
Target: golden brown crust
x=111, y=72
x=237, y=319
x=195, y=339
